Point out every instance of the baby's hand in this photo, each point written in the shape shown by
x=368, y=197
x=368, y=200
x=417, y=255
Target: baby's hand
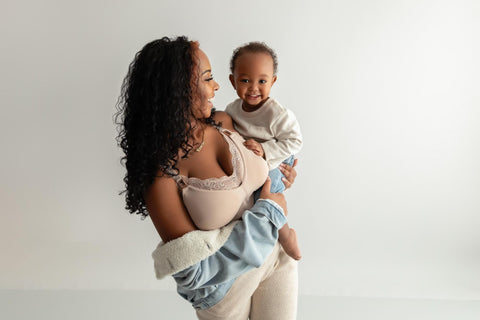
x=256, y=147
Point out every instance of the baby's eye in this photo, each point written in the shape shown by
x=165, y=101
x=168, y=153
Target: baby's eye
x=244, y=80
x=263, y=81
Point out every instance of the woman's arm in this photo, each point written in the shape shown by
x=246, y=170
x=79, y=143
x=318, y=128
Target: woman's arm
x=166, y=209
x=250, y=242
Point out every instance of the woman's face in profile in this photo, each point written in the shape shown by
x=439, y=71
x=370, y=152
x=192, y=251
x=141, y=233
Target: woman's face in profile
x=206, y=87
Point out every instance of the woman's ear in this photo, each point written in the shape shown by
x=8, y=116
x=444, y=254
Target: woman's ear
x=232, y=81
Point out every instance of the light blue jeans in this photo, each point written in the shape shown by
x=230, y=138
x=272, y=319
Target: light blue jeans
x=276, y=177
x=206, y=282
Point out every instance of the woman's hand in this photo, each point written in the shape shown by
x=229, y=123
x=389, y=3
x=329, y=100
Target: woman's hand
x=279, y=198
x=289, y=172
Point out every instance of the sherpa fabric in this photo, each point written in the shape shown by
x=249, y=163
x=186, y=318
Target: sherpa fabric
x=192, y=247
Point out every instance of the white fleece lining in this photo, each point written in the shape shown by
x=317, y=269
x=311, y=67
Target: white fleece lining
x=192, y=247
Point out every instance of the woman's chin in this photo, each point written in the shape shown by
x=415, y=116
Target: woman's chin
x=207, y=113
x=203, y=114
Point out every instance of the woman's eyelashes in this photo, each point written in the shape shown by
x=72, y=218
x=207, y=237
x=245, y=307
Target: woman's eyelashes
x=210, y=78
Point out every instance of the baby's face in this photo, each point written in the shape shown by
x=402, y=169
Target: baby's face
x=253, y=78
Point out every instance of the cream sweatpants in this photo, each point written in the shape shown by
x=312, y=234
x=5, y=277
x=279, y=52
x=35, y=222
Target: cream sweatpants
x=267, y=293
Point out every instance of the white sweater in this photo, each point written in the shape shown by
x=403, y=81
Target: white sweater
x=272, y=125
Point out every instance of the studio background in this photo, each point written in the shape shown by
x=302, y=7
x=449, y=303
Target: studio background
x=387, y=199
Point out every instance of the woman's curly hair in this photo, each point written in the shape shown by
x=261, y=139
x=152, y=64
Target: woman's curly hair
x=154, y=113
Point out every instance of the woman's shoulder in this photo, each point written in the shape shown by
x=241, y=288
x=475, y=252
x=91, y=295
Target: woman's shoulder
x=225, y=119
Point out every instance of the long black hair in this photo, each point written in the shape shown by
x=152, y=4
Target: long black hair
x=154, y=113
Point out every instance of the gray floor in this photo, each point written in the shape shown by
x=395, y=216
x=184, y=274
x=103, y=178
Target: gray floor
x=145, y=305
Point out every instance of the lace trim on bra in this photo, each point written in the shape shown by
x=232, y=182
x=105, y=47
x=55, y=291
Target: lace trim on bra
x=222, y=183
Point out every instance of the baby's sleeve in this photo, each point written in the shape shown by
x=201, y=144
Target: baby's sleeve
x=288, y=139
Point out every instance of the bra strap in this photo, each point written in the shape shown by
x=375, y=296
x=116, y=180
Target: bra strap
x=181, y=181
x=224, y=130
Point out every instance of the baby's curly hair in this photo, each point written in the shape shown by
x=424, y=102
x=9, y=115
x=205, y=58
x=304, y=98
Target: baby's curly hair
x=254, y=47
x=154, y=113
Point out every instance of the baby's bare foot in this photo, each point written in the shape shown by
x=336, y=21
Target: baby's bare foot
x=290, y=245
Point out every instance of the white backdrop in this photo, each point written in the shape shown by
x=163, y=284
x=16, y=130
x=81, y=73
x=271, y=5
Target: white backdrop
x=387, y=200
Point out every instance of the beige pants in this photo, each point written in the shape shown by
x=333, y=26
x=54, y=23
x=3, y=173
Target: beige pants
x=267, y=293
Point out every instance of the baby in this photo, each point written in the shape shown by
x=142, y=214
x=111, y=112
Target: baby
x=271, y=130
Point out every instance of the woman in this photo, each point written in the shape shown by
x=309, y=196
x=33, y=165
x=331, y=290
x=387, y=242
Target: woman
x=188, y=169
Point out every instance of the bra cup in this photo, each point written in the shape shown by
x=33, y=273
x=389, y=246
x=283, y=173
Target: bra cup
x=212, y=209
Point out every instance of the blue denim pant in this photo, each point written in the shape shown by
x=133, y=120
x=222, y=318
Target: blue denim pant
x=276, y=176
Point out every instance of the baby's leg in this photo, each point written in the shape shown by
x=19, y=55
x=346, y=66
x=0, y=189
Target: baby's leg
x=288, y=239
x=286, y=236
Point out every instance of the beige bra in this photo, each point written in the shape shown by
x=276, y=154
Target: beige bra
x=214, y=202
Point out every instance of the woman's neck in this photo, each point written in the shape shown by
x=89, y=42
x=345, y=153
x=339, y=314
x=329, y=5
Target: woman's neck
x=197, y=136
